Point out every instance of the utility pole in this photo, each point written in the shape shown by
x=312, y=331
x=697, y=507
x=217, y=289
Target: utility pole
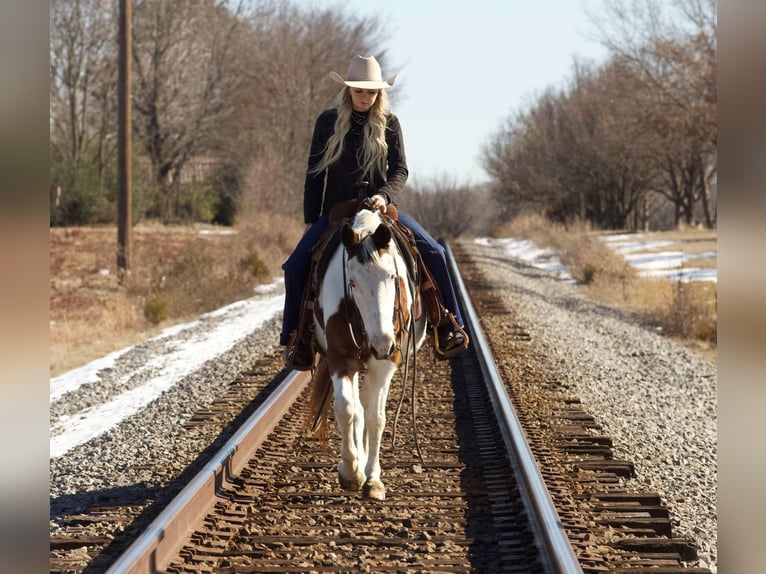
x=124, y=176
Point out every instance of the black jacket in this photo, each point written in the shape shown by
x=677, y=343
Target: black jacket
x=344, y=173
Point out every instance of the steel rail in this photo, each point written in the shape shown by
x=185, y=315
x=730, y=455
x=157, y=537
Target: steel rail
x=159, y=543
x=556, y=552
x=155, y=548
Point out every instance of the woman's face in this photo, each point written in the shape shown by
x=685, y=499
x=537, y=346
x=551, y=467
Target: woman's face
x=362, y=100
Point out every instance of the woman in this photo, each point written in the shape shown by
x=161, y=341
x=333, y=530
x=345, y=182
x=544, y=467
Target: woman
x=358, y=140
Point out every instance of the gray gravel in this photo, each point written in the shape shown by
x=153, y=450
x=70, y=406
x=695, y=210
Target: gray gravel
x=124, y=461
x=656, y=398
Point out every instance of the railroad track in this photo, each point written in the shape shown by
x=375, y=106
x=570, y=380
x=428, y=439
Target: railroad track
x=483, y=500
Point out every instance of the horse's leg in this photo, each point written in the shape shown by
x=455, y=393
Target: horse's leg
x=348, y=416
x=374, y=395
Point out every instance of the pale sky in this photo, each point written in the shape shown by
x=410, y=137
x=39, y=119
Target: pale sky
x=465, y=66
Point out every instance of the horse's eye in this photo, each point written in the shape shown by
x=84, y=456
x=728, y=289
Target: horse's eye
x=352, y=284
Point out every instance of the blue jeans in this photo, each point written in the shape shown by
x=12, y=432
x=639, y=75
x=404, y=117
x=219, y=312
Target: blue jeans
x=298, y=266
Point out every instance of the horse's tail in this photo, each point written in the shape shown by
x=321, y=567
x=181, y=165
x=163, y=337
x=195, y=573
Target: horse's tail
x=321, y=397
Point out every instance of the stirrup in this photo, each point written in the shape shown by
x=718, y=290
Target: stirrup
x=457, y=349
x=299, y=355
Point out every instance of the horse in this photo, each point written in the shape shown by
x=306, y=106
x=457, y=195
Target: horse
x=365, y=328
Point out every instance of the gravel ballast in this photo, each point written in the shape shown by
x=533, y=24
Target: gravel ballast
x=653, y=396
x=136, y=458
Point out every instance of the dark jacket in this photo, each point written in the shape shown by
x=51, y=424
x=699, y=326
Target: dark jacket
x=344, y=173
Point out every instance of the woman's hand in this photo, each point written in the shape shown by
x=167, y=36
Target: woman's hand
x=378, y=202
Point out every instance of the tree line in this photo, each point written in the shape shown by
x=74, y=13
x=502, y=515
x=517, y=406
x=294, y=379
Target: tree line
x=235, y=87
x=630, y=143
x=225, y=96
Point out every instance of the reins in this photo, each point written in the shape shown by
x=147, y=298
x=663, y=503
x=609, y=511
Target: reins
x=411, y=343
x=356, y=317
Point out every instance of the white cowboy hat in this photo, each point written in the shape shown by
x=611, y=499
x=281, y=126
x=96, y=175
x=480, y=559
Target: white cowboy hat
x=364, y=73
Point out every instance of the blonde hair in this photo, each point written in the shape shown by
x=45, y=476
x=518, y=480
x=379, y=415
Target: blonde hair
x=374, y=150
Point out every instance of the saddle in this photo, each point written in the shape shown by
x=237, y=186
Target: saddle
x=427, y=296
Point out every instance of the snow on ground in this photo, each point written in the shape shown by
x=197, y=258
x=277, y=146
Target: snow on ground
x=640, y=251
x=527, y=251
x=233, y=323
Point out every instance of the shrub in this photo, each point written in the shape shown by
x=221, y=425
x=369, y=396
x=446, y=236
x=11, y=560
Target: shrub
x=205, y=274
x=197, y=202
x=588, y=274
x=684, y=310
x=87, y=190
x=691, y=313
x=156, y=308
x=227, y=183
x=254, y=265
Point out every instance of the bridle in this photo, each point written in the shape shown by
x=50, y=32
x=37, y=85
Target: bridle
x=353, y=314
x=356, y=326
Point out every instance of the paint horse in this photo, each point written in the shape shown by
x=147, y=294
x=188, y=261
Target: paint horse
x=363, y=323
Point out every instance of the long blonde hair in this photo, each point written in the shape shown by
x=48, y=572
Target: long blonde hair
x=374, y=150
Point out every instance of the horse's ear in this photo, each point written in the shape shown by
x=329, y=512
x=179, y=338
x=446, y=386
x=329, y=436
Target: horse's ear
x=348, y=236
x=382, y=236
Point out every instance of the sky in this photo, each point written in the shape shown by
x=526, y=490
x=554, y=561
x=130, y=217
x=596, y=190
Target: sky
x=464, y=67
x=187, y=353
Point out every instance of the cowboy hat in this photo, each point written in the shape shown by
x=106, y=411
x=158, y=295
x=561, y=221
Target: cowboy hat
x=364, y=73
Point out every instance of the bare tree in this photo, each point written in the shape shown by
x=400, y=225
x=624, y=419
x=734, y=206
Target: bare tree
x=290, y=51
x=642, y=123
x=82, y=94
x=209, y=79
x=448, y=208
x=611, y=152
x=522, y=158
x=672, y=47
x=580, y=153
x=183, y=72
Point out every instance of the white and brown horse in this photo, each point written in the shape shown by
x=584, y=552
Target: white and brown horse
x=364, y=326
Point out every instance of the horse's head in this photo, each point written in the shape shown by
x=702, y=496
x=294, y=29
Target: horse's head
x=374, y=280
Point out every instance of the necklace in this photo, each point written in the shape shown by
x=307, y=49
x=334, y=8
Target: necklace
x=359, y=117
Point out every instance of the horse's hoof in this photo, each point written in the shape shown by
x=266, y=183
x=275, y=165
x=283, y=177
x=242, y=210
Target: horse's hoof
x=354, y=484
x=375, y=490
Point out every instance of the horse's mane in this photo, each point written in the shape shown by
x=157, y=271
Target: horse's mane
x=364, y=225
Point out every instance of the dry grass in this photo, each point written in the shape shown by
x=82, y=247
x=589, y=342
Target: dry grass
x=177, y=273
x=685, y=311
